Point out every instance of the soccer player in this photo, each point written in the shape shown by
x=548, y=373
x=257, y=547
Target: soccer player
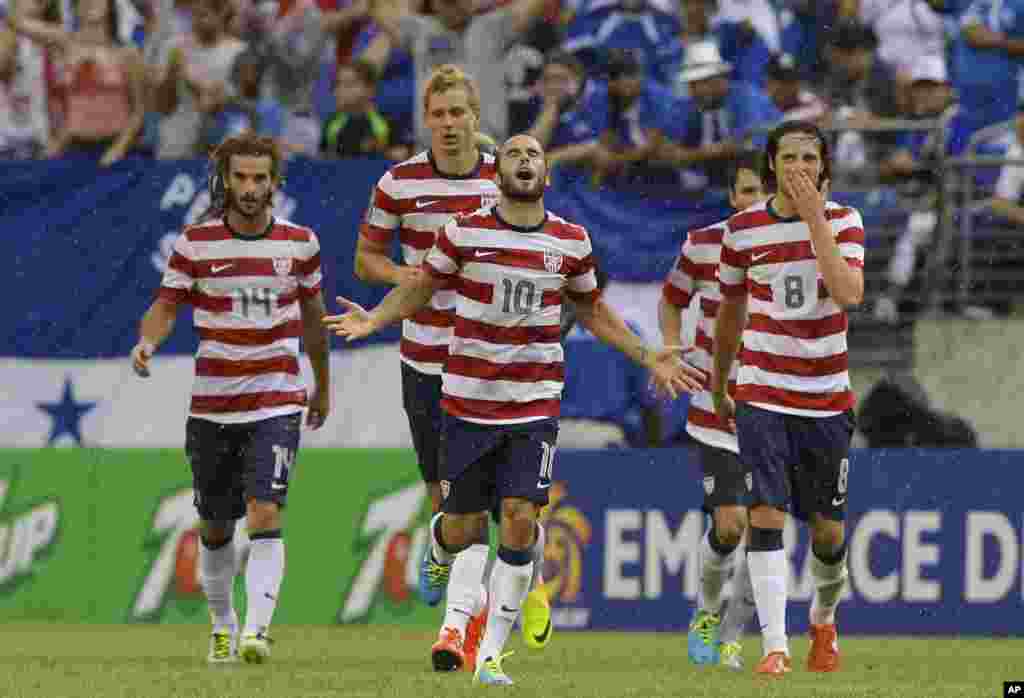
x=414, y=199
x=726, y=488
x=502, y=378
x=254, y=283
x=790, y=267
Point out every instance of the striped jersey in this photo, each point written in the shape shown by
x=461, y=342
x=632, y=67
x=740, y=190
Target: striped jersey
x=794, y=357
x=245, y=292
x=505, y=364
x=415, y=199
x=694, y=279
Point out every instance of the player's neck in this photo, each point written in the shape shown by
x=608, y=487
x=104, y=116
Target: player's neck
x=457, y=164
x=782, y=206
x=522, y=214
x=248, y=227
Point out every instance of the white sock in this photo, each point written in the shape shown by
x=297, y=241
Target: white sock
x=537, y=578
x=829, y=581
x=768, y=570
x=741, y=605
x=440, y=554
x=464, y=587
x=714, y=570
x=509, y=586
x=217, y=575
x=263, y=577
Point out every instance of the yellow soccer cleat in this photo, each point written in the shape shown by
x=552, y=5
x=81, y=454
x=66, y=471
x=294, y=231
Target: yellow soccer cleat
x=536, y=619
x=254, y=648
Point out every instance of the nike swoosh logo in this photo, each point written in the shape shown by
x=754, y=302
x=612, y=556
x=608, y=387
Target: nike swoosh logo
x=277, y=486
x=424, y=204
x=481, y=253
x=506, y=609
x=838, y=501
x=218, y=268
x=543, y=485
x=755, y=257
x=543, y=637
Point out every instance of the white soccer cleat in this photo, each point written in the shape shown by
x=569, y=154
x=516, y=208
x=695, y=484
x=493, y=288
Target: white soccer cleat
x=223, y=648
x=254, y=648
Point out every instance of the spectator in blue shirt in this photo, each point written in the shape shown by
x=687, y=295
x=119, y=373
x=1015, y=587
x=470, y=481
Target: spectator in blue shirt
x=709, y=125
x=632, y=25
x=630, y=116
x=249, y=108
x=987, y=58
x=562, y=124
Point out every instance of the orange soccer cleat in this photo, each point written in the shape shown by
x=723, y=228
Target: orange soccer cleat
x=824, y=654
x=774, y=664
x=474, y=634
x=447, y=653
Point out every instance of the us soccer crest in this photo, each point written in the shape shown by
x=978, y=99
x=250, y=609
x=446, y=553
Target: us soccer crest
x=553, y=261
x=488, y=199
x=709, y=484
x=749, y=479
x=282, y=266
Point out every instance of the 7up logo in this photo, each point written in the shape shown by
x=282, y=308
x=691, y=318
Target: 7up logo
x=24, y=537
x=392, y=536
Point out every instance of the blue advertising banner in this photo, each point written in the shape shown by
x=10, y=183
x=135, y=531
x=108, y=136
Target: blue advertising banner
x=935, y=543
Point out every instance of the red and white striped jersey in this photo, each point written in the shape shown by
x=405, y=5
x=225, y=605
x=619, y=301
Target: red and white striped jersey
x=694, y=279
x=245, y=292
x=415, y=199
x=505, y=364
x=793, y=357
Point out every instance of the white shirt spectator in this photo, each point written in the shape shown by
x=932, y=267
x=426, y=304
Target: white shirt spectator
x=1011, y=177
x=907, y=30
x=24, y=115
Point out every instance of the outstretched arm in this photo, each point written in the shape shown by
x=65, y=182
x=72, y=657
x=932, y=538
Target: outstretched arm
x=669, y=372
x=401, y=302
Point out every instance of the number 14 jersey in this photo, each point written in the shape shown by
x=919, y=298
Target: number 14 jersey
x=245, y=292
x=505, y=360
x=794, y=353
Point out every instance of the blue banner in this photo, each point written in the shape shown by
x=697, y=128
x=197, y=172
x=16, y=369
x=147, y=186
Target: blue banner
x=935, y=543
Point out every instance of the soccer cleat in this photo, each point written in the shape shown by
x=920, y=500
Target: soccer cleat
x=774, y=664
x=447, y=653
x=824, y=654
x=433, y=578
x=254, y=648
x=474, y=633
x=222, y=648
x=702, y=640
x=536, y=619
x=490, y=672
x=731, y=655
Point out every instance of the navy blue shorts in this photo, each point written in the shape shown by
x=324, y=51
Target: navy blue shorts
x=421, y=397
x=232, y=463
x=481, y=465
x=727, y=482
x=799, y=464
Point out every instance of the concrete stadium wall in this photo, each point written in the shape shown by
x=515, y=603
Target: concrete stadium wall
x=972, y=368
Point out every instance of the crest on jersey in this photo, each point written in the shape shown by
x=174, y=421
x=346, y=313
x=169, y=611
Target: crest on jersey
x=749, y=479
x=282, y=266
x=709, y=484
x=553, y=261
x=488, y=199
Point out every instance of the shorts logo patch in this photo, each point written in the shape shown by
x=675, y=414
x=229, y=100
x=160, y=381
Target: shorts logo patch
x=709, y=484
x=446, y=489
x=749, y=479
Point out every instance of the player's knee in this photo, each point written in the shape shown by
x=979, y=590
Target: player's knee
x=216, y=534
x=434, y=491
x=827, y=538
x=730, y=524
x=517, y=523
x=263, y=515
x=462, y=530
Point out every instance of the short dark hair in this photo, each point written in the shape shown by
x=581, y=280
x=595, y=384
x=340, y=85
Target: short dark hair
x=768, y=179
x=745, y=160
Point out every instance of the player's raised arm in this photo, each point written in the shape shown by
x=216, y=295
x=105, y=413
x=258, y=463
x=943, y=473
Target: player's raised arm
x=842, y=273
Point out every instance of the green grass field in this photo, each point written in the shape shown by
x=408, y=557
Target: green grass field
x=154, y=662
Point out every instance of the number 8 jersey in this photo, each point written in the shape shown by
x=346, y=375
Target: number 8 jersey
x=245, y=292
x=505, y=360
x=794, y=353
